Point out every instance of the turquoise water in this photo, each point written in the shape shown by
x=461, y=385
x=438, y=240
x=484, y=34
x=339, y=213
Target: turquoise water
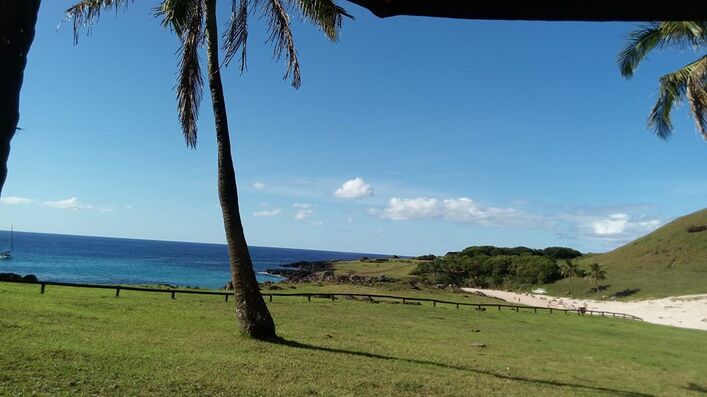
x=101, y=260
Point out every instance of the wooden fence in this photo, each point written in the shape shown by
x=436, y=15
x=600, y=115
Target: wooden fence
x=332, y=297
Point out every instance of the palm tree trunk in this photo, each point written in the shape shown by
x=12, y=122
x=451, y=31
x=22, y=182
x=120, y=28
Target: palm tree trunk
x=251, y=311
x=17, y=20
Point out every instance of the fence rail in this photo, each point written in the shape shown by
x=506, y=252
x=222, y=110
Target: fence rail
x=332, y=296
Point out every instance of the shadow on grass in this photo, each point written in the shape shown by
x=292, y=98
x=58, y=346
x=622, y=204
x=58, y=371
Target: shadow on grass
x=300, y=345
x=602, y=288
x=697, y=388
x=626, y=292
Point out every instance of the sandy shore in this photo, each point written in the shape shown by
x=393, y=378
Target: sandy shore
x=687, y=311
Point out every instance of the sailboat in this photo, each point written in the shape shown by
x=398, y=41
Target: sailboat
x=8, y=254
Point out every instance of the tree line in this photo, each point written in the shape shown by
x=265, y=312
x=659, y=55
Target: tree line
x=501, y=267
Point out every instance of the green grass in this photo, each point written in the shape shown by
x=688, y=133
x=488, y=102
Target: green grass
x=668, y=262
x=395, y=268
x=393, y=289
x=87, y=342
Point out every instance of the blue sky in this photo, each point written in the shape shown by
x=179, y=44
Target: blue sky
x=449, y=134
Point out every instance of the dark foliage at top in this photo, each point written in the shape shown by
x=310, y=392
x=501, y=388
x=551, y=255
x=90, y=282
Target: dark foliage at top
x=429, y=257
x=550, y=252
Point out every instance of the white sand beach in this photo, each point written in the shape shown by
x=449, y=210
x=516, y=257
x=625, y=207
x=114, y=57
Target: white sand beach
x=686, y=311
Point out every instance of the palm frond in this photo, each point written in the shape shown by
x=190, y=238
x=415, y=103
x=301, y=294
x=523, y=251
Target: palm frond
x=190, y=80
x=236, y=36
x=282, y=39
x=87, y=12
x=697, y=94
x=325, y=13
x=175, y=14
x=659, y=35
x=673, y=87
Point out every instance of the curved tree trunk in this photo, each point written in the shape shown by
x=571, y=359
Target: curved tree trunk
x=251, y=311
x=17, y=20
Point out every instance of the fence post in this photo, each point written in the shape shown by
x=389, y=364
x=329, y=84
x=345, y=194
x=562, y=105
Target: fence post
x=117, y=292
x=270, y=297
x=457, y=306
x=172, y=294
x=332, y=297
x=499, y=308
x=535, y=310
x=43, y=285
x=550, y=310
x=403, y=301
x=225, y=297
x=309, y=298
x=434, y=303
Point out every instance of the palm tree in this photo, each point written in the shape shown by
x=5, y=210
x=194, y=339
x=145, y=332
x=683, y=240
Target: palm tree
x=597, y=274
x=689, y=82
x=194, y=21
x=568, y=269
x=17, y=21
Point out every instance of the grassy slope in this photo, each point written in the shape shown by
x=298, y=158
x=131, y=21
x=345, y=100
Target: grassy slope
x=670, y=261
x=396, y=268
x=86, y=342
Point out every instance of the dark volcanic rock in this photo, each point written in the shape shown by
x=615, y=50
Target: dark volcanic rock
x=17, y=277
x=30, y=277
x=10, y=277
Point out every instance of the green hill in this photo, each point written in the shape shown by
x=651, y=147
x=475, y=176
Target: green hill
x=670, y=261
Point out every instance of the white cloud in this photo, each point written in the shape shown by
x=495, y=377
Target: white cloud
x=354, y=188
x=304, y=214
x=610, y=227
x=400, y=209
x=318, y=223
x=461, y=210
x=268, y=212
x=622, y=226
x=70, y=203
x=10, y=200
x=259, y=185
x=304, y=210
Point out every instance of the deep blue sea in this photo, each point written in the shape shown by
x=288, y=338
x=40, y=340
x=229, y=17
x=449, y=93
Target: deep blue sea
x=102, y=260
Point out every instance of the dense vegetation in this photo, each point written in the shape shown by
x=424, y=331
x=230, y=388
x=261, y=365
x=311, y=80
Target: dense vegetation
x=489, y=266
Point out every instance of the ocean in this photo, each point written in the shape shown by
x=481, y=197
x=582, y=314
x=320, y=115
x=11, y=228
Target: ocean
x=103, y=260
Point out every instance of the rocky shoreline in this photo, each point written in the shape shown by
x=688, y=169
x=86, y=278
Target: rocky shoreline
x=318, y=272
x=18, y=277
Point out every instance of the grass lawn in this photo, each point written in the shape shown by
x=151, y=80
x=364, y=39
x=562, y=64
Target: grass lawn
x=627, y=285
x=87, y=342
x=394, y=289
x=396, y=268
